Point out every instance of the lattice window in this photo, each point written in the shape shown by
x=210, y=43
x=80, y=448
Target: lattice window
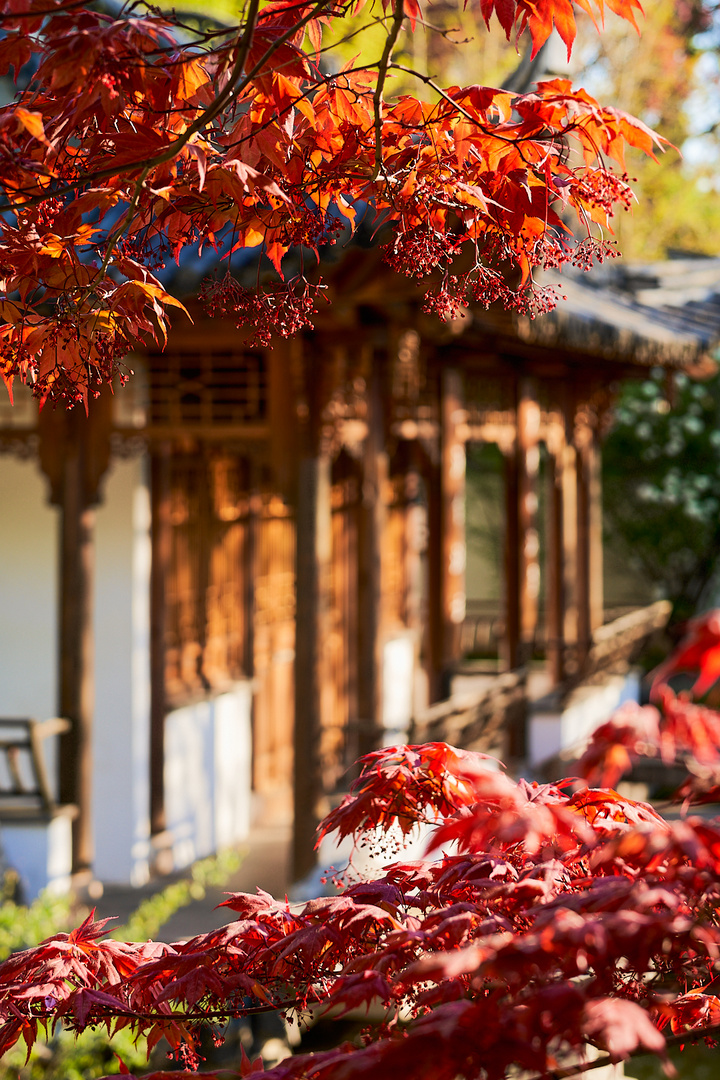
x=208, y=388
x=489, y=399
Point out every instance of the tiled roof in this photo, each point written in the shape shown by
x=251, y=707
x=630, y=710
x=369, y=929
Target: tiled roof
x=658, y=313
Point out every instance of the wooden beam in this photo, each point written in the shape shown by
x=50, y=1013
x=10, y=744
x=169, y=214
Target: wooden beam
x=211, y=433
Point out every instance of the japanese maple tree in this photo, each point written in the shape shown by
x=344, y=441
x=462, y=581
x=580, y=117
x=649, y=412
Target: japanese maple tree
x=549, y=928
x=547, y=924
x=135, y=137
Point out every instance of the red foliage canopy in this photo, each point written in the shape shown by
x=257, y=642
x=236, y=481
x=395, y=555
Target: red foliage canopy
x=135, y=138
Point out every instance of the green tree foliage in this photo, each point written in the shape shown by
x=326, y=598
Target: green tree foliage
x=661, y=477
x=67, y=1056
x=661, y=77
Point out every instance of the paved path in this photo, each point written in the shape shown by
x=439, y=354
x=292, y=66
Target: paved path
x=265, y=865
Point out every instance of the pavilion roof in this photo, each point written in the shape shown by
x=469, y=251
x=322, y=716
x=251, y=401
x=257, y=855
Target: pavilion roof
x=664, y=313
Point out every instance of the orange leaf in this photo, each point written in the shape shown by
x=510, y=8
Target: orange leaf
x=32, y=122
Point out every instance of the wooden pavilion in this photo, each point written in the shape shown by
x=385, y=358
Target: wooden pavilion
x=304, y=538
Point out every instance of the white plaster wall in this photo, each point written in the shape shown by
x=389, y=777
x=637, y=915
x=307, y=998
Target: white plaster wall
x=398, y=685
x=207, y=774
x=552, y=730
x=29, y=538
x=28, y=592
x=41, y=852
x=233, y=765
x=121, y=747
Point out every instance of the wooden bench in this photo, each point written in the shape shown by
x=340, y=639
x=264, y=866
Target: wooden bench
x=25, y=789
x=36, y=830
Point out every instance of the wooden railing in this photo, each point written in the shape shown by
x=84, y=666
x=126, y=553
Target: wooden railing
x=484, y=627
x=620, y=641
x=491, y=721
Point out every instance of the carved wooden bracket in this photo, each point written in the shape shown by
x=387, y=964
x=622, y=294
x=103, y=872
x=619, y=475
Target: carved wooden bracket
x=67, y=433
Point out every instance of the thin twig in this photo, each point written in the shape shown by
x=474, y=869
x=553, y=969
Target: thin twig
x=40, y=13
x=385, y=59
x=232, y=88
x=610, y=1059
x=456, y=105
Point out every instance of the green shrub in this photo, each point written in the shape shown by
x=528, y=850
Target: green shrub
x=63, y=1057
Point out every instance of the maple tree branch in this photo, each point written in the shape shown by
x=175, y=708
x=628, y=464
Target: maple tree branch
x=39, y=13
x=119, y=229
x=280, y=41
x=150, y=1017
x=240, y=59
x=693, y=1036
x=201, y=121
x=390, y=40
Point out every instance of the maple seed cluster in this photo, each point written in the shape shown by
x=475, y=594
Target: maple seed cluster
x=485, y=286
x=418, y=252
x=604, y=189
x=281, y=308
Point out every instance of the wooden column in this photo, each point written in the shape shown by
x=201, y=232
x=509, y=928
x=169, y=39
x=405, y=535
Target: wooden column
x=416, y=545
x=371, y=528
x=511, y=651
x=251, y=567
x=314, y=534
x=452, y=481
x=522, y=570
x=528, y=432
x=435, y=614
x=77, y=685
x=285, y=390
x=554, y=581
x=446, y=537
x=74, y=454
x=571, y=574
x=161, y=552
x=589, y=532
x=312, y=579
x=593, y=472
